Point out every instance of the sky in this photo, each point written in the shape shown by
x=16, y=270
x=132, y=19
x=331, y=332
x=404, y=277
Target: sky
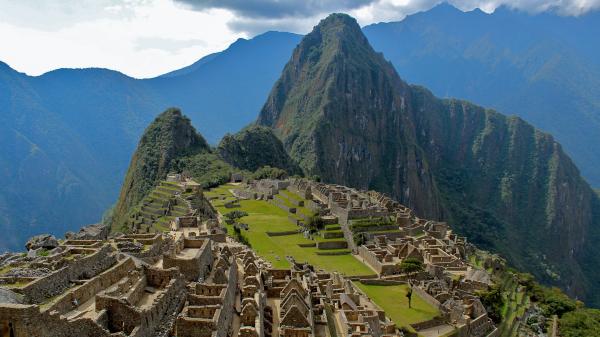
x=146, y=38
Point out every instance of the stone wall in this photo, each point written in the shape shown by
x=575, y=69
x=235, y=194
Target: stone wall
x=332, y=245
x=59, y=280
x=26, y=321
x=382, y=282
x=277, y=202
x=479, y=327
x=389, y=235
x=141, y=322
x=284, y=233
x=425, y=296
x=332, y=234
x=218, y=237
x=89, y=289
x=369, y=258
x=436, y=321
x=210, y=315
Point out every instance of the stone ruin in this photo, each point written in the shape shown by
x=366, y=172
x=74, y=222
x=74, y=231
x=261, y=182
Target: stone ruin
x=193, y=281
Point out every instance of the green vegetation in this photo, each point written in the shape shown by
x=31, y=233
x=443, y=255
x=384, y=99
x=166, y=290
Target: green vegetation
x=394, y=301
x=580, y=323
x=5, y=270
x=551, y=299
x=514, y=292
x=256, y=147
x=411, y=266
x=235, y=215
x=493, y=301
x=206, y=168
x=367, y=224
x=268, y=172
x=42, y=252
x=266, y=217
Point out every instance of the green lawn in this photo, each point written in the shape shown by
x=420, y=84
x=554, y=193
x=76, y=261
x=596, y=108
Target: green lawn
x=392, y=299
x=265, y=217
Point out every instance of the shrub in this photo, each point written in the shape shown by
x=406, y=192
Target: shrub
x=493, y=302
x=42, y=252
x=582, y=322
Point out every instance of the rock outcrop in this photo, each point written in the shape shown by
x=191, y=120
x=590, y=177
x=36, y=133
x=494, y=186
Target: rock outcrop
x=44, y=241
x=90, y=232
x=10, y=297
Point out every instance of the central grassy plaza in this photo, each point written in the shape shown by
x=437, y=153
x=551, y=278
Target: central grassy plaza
x=266, y=217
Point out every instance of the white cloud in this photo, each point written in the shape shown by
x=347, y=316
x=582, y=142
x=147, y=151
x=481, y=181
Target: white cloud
x=141, y=39
x=145, y=38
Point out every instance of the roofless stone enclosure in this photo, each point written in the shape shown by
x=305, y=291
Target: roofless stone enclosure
x=193, y=258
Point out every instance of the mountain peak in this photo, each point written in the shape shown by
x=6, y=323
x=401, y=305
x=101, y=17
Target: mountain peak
x=334, y=46
x=338, y=26
x=338, y=19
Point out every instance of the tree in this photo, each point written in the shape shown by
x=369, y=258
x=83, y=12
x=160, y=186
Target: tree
x=235, y=215
x=359, y=239
x=315, y=223
x=493, y=302
x=411, y=265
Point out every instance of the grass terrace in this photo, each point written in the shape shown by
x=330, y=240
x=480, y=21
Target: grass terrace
x=368, y=224
x=266, y=217
x=515, y=304
x=393, y=300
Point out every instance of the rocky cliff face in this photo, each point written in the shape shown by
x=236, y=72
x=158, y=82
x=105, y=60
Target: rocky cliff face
x=169, y=137
x=509, y=186
x=345, y=115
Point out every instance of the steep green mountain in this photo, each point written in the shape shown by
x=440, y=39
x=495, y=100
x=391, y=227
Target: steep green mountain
x=255, y=147
x=171, y=144
x=345, y=115
x=336, y=110
x=169, y=137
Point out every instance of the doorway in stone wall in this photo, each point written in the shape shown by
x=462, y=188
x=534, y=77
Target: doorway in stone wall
x=8, y=329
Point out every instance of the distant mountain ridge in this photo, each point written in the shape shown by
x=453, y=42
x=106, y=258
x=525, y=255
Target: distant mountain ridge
x=67, y=136
x=544, y=68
